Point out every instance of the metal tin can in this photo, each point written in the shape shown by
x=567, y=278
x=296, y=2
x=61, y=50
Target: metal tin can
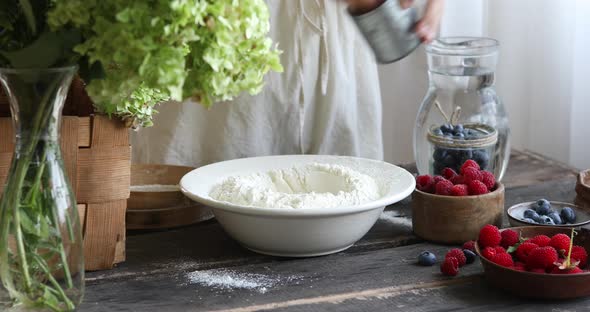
x=389, y=31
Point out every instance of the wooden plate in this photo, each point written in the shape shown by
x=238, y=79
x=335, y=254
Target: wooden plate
x=157, y=203
x=536, y=285
x=583, y=189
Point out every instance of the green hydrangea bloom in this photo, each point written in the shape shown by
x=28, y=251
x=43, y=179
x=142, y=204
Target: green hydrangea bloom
x=154, y=50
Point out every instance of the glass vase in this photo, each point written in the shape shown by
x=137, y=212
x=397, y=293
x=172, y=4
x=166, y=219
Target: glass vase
x=41, y=251
x=461, y=116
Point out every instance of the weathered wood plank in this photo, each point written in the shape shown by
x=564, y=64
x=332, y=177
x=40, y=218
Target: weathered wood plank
x=372, y=275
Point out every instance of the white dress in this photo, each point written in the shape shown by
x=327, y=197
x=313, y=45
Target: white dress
x=327, y=100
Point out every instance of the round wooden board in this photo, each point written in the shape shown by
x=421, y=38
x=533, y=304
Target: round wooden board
x=161, y=209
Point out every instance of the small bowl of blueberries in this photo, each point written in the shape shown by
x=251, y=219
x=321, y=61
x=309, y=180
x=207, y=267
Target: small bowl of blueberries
x=549, y=213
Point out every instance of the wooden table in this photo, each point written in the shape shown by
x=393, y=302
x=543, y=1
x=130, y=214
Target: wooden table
x=376, y=274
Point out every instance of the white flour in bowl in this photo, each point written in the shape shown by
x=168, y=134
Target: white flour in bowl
x=310, y=186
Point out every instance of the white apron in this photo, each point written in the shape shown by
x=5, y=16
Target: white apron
x=327, y=100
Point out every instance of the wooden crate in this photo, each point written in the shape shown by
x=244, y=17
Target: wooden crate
x=97, y=158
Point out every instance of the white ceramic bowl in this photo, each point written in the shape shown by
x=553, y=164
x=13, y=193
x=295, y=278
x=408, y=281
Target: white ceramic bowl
x=297, y=232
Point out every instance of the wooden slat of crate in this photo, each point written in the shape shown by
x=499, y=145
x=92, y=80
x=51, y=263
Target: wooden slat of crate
x=97, y=158
x=105, y=234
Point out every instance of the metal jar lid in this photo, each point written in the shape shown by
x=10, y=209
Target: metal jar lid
x=389, y=31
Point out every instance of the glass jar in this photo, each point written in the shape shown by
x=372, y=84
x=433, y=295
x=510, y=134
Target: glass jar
x=461, y=116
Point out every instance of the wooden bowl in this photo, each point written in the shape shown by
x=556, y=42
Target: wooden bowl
x=537, y=285
x=515, y=214
x=156, y=201
x=455, y=220
x=583, y=189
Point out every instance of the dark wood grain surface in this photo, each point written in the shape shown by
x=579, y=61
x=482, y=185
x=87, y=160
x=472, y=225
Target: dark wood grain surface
x=377, y=274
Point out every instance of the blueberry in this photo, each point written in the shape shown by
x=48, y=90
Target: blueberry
x=555, y=217
x=465, y=155
x=568, y=215
x=531, y=214
x=482, y=158
x=459, y=136
x=458, y=129
x=439, y=154
x=546, y=220
x=446, y=128
x=449, y=161
x=426, y=258
x=437, y=132
x=470, y=255
x=529, y=220
x=543, y=207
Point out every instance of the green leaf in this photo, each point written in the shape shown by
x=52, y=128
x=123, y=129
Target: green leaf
x=512, y=249
x=28, y=225
x=56, y=47
x=29, y=15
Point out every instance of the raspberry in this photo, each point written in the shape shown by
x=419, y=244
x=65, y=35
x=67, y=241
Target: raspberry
x=540, y=240
x=438, y=179
x=457, y=180
x=470, y=245
x=425, y=183
x=449, y=173
x=477, y=188
x=509, y=238
x=542, y=257
x=444, y=187
x=518, y=266
x=560, y=242
x=580, y=254
x=488, y=253
x=457, y=254
x=471, y=174
x=450, y=266
x=574, y=270
x=469, y=163
x=500, y=249
x=523, y=251
x=459, y=190
x=488, y=179
x=541, y=271
x=489, y=236
x=503, y=259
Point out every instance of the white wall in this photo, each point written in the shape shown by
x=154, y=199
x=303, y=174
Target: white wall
x=544, y=58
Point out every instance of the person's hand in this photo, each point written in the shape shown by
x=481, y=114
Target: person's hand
x=427, y=27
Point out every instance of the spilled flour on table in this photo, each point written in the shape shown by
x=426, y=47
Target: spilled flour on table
x=230, y=280
x=394, y=217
